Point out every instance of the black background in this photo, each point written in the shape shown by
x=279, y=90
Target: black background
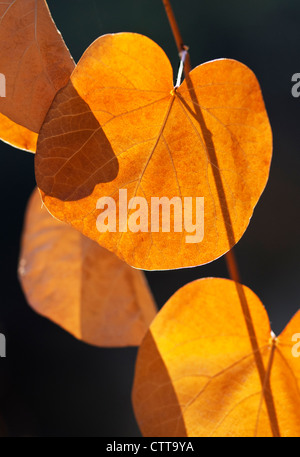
x=54, y=385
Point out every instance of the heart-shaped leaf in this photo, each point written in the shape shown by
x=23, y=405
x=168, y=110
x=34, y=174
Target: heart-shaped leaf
x=120, y=125
x=209, y=366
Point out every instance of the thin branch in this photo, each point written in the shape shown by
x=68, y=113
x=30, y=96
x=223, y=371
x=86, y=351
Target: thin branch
x=231, y=261
x=177, y=35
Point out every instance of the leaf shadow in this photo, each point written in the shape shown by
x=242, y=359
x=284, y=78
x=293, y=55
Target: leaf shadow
x=73, y=152
x=163, y=397
x=264, y=374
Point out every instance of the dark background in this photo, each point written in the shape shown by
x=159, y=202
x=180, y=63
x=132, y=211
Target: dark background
x=54, y=385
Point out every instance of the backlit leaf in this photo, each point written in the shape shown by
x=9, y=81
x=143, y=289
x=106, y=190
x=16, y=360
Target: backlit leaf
x=35, y=63
x=119, y=124
x=209, y=366
x=79, y=285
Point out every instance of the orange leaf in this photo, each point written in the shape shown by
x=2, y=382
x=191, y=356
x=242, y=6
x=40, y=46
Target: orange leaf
x=35, y=63
x=209, y=366
x=119, y=124
x=79, y=285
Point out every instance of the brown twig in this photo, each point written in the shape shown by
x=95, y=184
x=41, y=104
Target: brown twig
x=231, y=261
x=232, y=266
x=176, y=34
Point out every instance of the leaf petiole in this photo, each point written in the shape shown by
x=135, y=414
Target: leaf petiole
x=182, y=56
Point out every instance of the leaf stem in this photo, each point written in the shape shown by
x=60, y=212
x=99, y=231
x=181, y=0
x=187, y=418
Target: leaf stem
x=174, y=25
x=177, y=35
x=231, y=261
x=181, y=66
x=232, y=266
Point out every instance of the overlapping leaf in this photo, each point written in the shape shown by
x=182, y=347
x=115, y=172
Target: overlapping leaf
x=35, y=63
x=80, y=285
x=119, y=124
x=209, y=366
